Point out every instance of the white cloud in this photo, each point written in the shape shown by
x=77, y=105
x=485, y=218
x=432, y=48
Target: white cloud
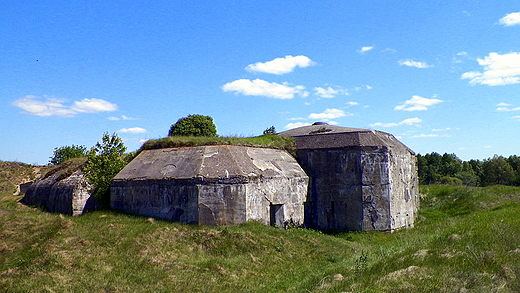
x=296, y=119
x=417, y=103
x=352, y=103
x=329, y=92
x=389, y=50
x=409, y=121
x=133, y=130
x=426, y=135
x=328, y=114
x=281, y=65
x=503, y=107
x=93, y=106
x=431, y=135
x=411, y=63
x=296, y=125
x=123, y=117
x=143, y=140
x=510, y=19
x=365, y=49
x=444, y=129
x=498, y=70
x=260, y=87
x=33, y=105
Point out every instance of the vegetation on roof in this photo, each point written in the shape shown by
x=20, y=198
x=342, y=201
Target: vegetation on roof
x=67, y=168
x=265, y=141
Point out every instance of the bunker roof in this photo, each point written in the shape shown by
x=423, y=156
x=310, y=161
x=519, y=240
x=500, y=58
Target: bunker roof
x=224, y=163
x=321, y=135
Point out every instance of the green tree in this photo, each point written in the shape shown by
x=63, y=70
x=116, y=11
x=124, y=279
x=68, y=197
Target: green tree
x=65, y=153
x=429, y=167
x=450, y=165
x=104, y=162
x=497, y=171
x=194, y=125
x=514, y=161
x=269, y=131
x=468, y=175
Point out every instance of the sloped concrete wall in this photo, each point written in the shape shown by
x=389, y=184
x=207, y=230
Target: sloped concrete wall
x=70, y=195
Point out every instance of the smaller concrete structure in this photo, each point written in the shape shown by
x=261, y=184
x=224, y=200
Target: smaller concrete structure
x=60, y=192
x=213, y=185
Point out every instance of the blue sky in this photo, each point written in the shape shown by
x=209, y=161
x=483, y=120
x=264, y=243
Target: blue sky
x=442, y=76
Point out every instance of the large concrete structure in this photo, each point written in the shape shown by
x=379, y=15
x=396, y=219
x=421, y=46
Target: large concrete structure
x=359, y=179
x=343, y=179
x=213, y=185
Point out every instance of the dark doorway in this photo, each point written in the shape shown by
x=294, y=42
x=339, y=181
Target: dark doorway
x=277, y=218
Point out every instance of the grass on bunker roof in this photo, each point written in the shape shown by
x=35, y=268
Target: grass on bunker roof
x=466, y=239
x=265, y=141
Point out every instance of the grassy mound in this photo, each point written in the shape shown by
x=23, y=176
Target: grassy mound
x=466, y=239
x=14, y=173
x=266, y=141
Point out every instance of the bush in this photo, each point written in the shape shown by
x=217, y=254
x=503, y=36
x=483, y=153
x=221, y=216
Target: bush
x=105, y=160
x=194, y=125
x=65, y=153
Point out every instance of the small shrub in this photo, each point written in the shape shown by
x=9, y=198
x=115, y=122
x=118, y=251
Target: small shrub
x=269, y=131
x=104, y=162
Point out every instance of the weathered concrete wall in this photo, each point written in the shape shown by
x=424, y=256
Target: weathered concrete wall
x=360, y=188
x=213, y=185
x=69, y=195
x=375, y=188
x=335, y=197
x=172, y=200
x=278, y=201
x=404, y=201
x=222, y=204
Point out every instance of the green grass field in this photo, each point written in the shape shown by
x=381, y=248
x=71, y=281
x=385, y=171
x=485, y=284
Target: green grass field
x=465, y=240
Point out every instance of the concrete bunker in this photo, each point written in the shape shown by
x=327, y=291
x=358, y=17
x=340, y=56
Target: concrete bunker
x=213, y=185
x=64, y=189
x=359, y=179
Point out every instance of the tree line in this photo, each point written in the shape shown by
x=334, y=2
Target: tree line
x=434, y=168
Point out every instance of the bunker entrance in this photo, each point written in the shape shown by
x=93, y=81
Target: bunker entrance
x=276, y=217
